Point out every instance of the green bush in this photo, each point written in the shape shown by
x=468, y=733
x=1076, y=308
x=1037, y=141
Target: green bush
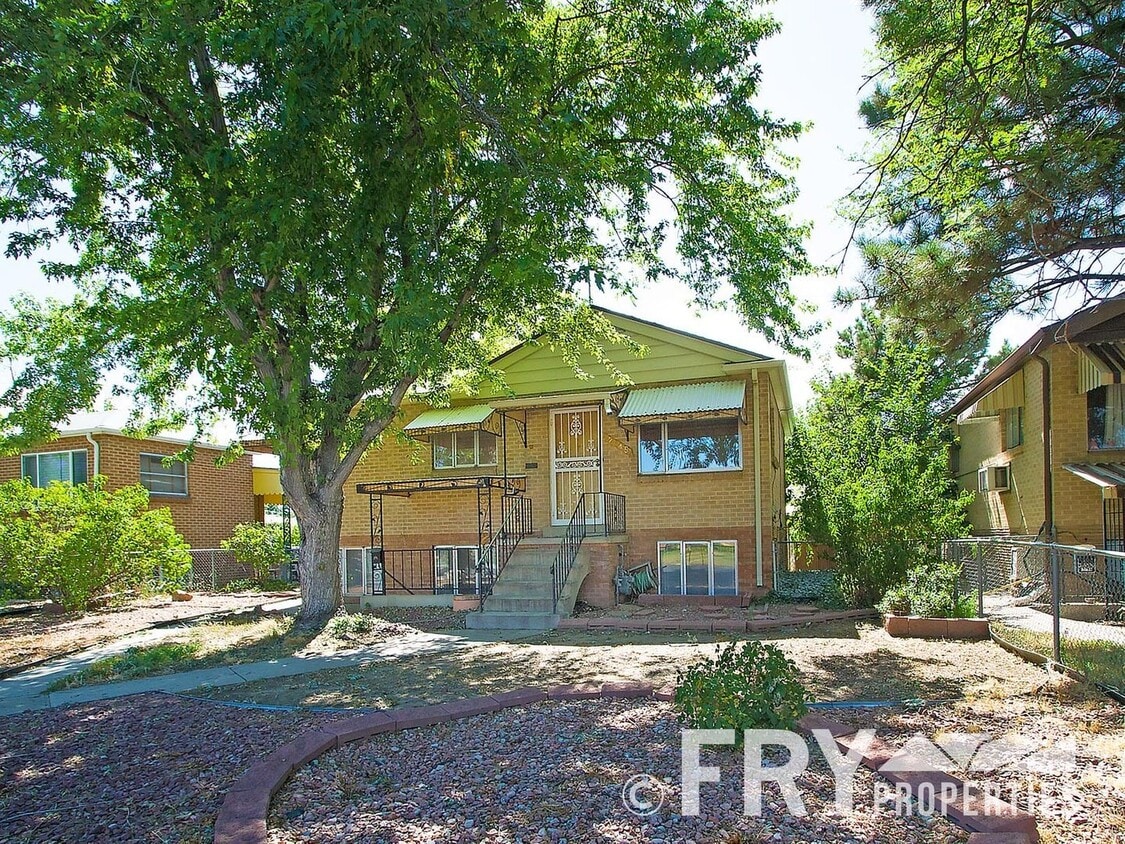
x=78, y=543
x=258, y=547
x=351, y=624
x=746, y=686
x=819, y=586
x=933, y=591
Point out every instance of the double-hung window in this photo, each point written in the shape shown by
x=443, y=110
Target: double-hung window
x=65, y=466
x=163, y=478
x=460, y=449
x=690, y=445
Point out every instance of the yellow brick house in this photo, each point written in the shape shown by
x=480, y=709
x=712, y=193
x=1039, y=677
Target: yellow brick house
x=532, y=497
x=1041, y=438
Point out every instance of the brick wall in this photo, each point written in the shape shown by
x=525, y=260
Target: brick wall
x=218, y=497
x=706, y=505
x=1078, y=503
x=1022, y=509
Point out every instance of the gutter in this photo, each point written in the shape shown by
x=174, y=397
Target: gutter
x=97, y=454
x=757, y=481
x=1048, y=486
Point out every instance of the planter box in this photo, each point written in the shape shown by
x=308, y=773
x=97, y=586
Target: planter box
x=919, y=627
x=466, y=603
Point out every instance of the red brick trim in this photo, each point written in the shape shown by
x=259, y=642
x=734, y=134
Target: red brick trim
x=718, y=625
x=242, y=817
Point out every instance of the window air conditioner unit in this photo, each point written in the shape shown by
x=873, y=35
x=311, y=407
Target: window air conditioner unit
x=994, y=478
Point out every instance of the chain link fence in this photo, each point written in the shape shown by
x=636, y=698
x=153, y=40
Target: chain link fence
x=1063, y=603
x=214, y=568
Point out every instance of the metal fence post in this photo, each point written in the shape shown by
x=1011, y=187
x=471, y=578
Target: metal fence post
x=214, y=574
x=980, y=580
x=1056, y=604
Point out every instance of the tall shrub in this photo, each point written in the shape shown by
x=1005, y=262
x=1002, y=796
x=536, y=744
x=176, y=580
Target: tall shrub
x=259, y=547
x=870, y=459
x=77, y=543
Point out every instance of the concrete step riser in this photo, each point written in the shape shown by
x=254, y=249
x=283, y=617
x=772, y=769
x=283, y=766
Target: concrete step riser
x=520, y=605
x=509, y=590
x=511, y=621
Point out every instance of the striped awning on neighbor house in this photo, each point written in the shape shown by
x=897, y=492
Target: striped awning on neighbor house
x=710, y=398
x=441, y=420
x=1103, y=474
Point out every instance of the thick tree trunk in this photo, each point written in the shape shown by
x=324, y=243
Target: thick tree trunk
x=318, y=561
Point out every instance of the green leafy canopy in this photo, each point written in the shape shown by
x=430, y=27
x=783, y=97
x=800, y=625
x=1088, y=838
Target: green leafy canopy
x=291, y=213
x=997, y=178
x=300, y=209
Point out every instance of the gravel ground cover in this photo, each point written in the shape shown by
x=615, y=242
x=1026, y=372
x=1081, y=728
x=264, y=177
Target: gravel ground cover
x=39, y=635
x=554, y=772
x=1079, y=802
x=148, y=768
x=424, y=618
x=839, y=662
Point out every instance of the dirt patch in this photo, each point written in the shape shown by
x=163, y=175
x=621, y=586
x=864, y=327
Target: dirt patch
x=29, y=637
x=839, y=662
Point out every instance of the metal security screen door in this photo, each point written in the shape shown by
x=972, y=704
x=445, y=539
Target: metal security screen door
x=576, y=462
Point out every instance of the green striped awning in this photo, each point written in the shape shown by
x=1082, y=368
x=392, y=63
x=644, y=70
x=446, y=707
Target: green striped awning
x=440, y=420
x=711, y=398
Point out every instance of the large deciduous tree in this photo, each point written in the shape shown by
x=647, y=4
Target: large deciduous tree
x=997, y=179
x=291, y=212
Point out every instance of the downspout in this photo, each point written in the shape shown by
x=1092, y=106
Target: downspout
x=1048, y=487
x=97, y=454
x=757, y=481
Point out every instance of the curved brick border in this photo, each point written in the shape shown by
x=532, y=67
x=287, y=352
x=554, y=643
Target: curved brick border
x=242, y=817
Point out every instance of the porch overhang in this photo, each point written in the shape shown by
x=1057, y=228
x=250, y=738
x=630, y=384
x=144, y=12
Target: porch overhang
x=512, y=484
x=684, y=401
x=472, y=417
x=1105, y=475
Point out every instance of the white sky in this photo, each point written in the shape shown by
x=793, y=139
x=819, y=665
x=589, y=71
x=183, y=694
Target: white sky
x=813, y=71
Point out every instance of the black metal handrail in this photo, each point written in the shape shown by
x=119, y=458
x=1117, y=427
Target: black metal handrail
x=515, y=524
x=585, y=521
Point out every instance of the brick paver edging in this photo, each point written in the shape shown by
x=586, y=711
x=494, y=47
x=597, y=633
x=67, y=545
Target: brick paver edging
x=242, y=817
x=708, y=625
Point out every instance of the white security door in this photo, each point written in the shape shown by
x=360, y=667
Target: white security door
x=576, y=462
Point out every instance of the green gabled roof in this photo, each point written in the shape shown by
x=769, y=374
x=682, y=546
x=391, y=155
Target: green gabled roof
x=535, y=368
x=718, y=397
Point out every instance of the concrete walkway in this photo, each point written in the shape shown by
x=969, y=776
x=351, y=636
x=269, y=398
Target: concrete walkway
x=999, y=608
x=28, y=690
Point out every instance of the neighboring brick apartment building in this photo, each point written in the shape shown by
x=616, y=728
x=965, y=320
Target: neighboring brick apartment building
x=206, y=500
x=1042, y=436
x=693, y=449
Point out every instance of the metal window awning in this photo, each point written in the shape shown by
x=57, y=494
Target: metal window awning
x=1105, y=475
x=442, y=420
x=1102, y=364
x=710, y=398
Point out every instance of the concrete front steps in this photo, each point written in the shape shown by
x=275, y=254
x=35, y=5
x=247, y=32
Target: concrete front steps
x=523, y=596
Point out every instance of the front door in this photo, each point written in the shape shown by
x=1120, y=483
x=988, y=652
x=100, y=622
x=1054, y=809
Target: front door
x=576, y=462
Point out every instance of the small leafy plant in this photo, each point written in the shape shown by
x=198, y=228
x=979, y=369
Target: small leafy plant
x=746, y=686
x=930, y=591
x=351, y=624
